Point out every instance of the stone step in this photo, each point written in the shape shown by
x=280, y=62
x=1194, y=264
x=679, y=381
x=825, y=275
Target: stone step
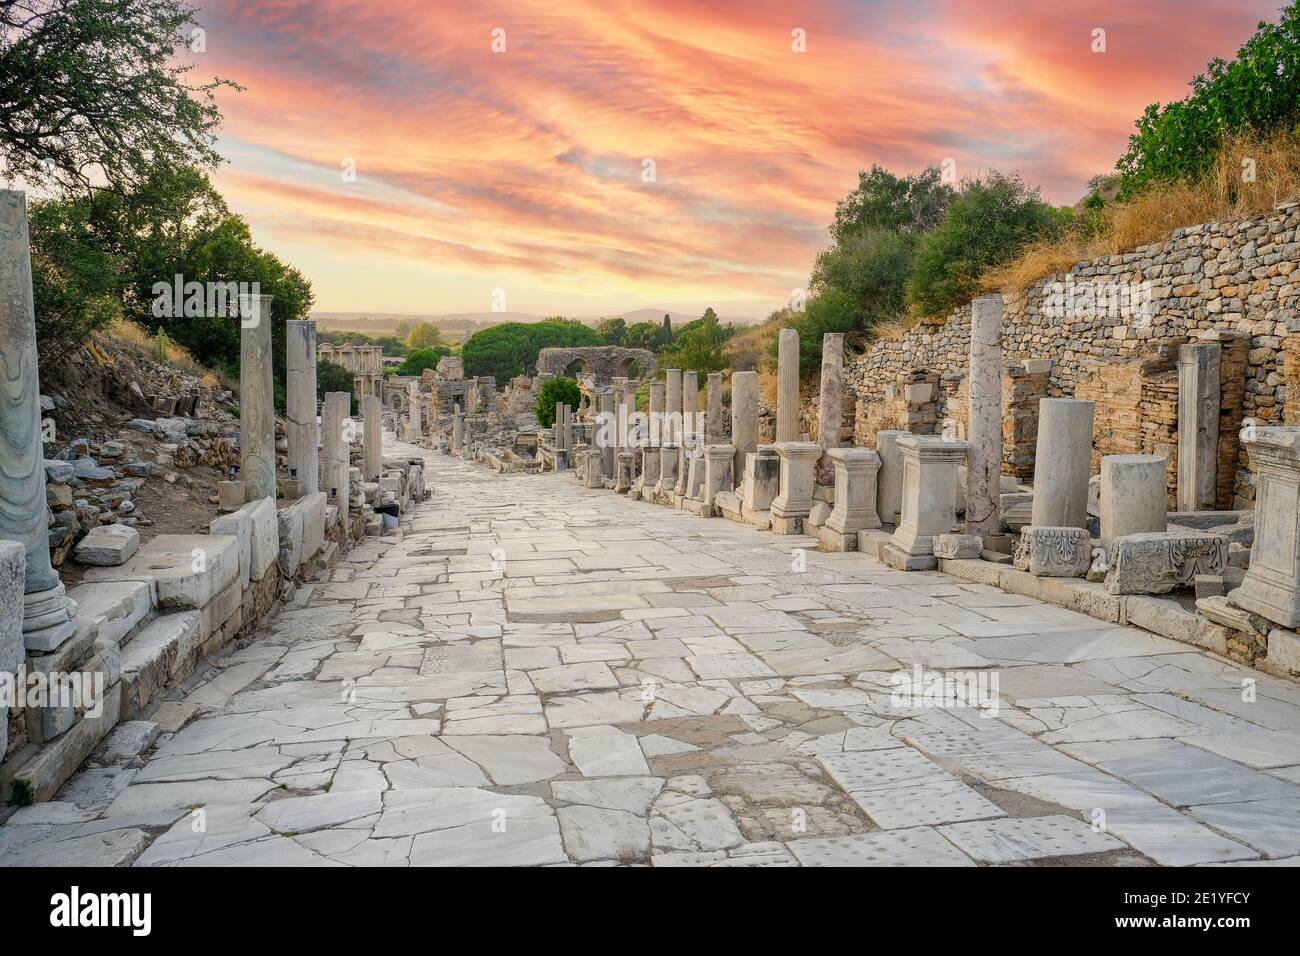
x=184, y=570
x=158, y=657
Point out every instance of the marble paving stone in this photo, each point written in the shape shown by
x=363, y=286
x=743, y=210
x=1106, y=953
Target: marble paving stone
x=919, y=846
x=608, y=755
x=1035, y=838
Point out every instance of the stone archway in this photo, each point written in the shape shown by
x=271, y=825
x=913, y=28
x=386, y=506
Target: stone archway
x=601, y=362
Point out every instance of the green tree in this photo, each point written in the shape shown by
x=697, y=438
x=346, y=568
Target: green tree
x=98, y=90
x=986, y=225
x=872, y=267
x=612, y=330
x=698, y=346
x=332, y=377
x=420, y=359
x=555, y=390
x=833, y=310
x=882, y=200
x=1259, y=91
x=642, y=335
x=511, y=348
x=426, y=335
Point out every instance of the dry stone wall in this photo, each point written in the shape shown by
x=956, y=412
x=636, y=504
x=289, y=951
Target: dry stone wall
x=1235, y=282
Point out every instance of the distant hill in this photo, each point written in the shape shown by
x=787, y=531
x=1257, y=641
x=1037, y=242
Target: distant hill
x=378, y=323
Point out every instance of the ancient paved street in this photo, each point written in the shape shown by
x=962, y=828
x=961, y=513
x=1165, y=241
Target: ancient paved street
x=536, y=673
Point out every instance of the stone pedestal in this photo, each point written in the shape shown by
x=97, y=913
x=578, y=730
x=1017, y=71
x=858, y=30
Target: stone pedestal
x=231, y=495
x=300, y=404
x=1062, y=463
x=414, y=419
x=744, y=418
x=795, y=499
x=623, y=478
x=334, y=427
x=889, y=482
x=667, y=474
x=787, y=386
x=718, y=463
x=48, y=616
x=1198, y=425
x=984, y=419
x=855, y=498
x=372, y=438
x=929, y=499
x=256, y=398
x=1272, y=584
x=830, y=403
x=457, y=432
x=1133, y=496
x=760, y=484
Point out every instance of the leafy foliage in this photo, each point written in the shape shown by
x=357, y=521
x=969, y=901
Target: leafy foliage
x=834, y=310
x=985, y=226
x=511, y=348
x=1258, y=92
x=899, y=204
x=426, y=335
x=698, y=345
x=96, y=91
x=420, y=359
x=612, y=330
x=555, y=390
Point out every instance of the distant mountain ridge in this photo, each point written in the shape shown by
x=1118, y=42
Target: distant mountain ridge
x=386, y=321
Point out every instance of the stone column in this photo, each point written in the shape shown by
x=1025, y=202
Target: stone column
x=256, y=398
x=558, y=434
x=984, y=419
x=929, y=499
x=48, y=616
x=653, y=437
x=1134, y=498
x=1198, y=426
x=787, y=386
x=13, y=564
x=1272, y=584
x=690, y=436
x=413, y=423
x=606, y=433
x=334, y=417
x=373, y=437
x=1062, y=463
x=457, y=430
x=855, y=498
x=744, y=418
x=794, y=502
x=672, y=406
x=830, y=403
x=300, y=404
x=713, y=413
x=889, y=483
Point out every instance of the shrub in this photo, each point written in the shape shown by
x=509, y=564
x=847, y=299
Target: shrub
x=985, y=226
x=419, y=359
x=555, y=390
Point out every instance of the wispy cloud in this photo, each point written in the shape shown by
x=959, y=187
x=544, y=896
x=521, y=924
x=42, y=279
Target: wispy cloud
x=526, y=169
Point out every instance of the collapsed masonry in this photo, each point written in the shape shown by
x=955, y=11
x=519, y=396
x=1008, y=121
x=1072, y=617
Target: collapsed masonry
x=108, y=649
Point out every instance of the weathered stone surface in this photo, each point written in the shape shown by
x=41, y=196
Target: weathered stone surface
x=929, y=499
x=1156, y=563
x=1054, y=552
x=1062, y=463
x=1272, y=583
x=787, y=386
x=114, y=607
x=1132, y=496
x=744, y=418
x=1198, y=424
x=13, y=563
x=157, y=656
x=301, y=429
x=256, y=398
x=186, y=570
x=958, y=546
x=984, y=418
x=889, y=482
x=794, y=501
x=108, y=545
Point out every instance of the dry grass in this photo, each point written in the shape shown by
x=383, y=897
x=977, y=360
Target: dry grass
x=750, y=349
x=891, y=330
x=126, y=331
x=1221, y=194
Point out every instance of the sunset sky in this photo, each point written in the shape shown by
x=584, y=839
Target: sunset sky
x=523, y=170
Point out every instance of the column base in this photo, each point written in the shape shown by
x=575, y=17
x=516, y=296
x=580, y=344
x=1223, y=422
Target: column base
x=49, y=619
x=828, y=539
x=900, y=560
x=783, y=523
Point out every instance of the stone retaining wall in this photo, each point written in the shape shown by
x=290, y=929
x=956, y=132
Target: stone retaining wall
x=1231, y=281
